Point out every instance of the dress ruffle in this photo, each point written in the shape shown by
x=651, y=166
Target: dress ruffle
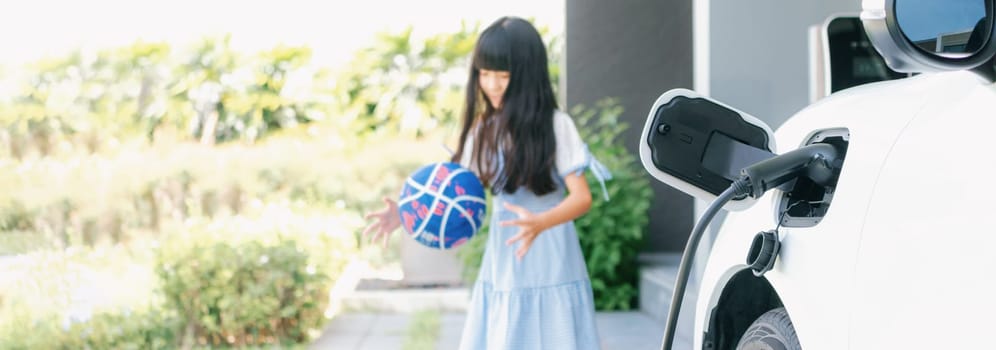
x=548, y=318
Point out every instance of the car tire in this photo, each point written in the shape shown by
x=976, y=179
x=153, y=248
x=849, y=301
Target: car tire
x=772, y=331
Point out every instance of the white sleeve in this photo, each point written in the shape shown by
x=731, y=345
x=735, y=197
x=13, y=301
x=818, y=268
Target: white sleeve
x=572, y=153
x=468, y=154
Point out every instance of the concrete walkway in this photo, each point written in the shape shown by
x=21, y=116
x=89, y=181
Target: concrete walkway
x=378, y=319
x=384, y=331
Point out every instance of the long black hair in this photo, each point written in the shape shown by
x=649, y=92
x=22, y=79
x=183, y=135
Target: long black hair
x=521, y=131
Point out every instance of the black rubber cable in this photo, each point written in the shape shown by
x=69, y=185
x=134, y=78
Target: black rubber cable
x=738, y=188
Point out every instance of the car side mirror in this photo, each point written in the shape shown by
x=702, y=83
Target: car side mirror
x=932, y=35
x=698, y=145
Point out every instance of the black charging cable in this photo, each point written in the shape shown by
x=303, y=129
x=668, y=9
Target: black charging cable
x=815, y=161
x=739, y=188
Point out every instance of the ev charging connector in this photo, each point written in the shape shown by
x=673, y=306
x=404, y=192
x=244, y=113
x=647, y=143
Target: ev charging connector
x=815, y=161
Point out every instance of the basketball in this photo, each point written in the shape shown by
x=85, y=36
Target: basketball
x=442, y=205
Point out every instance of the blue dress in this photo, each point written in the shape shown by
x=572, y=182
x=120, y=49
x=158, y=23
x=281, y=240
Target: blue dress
x=543, y=301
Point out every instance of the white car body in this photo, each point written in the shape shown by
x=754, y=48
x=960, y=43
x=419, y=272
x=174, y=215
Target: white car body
x=905, y=257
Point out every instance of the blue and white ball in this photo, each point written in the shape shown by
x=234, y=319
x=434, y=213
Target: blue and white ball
x=442, y=205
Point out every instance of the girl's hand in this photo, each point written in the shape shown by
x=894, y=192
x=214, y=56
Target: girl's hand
x=387, y=222
x=530, y=226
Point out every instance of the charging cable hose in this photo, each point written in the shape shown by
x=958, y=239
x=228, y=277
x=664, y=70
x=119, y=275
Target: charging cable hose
x=815, y=161
x=739, y=188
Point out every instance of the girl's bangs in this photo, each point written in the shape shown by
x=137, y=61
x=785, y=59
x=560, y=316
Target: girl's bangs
x=493, y=52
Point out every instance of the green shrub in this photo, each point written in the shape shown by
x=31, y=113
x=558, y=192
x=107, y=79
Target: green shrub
x=146, y=329
x=260, y=279
x=231, y=294
x=247, y=283
x=611, y=232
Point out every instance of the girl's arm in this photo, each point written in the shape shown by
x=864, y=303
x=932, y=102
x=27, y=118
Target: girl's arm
x=577, y=203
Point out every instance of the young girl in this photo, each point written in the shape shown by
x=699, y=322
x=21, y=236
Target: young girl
x=533, y=290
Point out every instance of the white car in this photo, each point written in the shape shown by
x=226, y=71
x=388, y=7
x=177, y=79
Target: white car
x=870, y=228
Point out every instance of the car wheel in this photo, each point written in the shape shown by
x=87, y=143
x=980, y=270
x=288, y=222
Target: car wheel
x=772, y=331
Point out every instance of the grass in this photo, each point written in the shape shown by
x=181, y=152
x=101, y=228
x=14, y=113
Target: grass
x=423, y=331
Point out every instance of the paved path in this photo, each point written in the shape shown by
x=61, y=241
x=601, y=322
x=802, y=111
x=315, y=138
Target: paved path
x=373, y=331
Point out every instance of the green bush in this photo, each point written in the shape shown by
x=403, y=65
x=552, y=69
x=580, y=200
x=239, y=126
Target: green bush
x=146, y=329
x=611, y=232
x=238, y=295
x=239, y=284
x=260, y=279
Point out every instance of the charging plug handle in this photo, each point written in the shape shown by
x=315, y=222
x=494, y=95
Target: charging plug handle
x=814, y=161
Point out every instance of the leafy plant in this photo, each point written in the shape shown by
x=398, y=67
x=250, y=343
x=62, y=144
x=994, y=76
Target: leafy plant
x=253, y=283
x=143, y=329
x=612, y=231
x=406, y=83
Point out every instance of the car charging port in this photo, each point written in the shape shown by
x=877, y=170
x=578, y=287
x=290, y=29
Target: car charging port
x=806, y=201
